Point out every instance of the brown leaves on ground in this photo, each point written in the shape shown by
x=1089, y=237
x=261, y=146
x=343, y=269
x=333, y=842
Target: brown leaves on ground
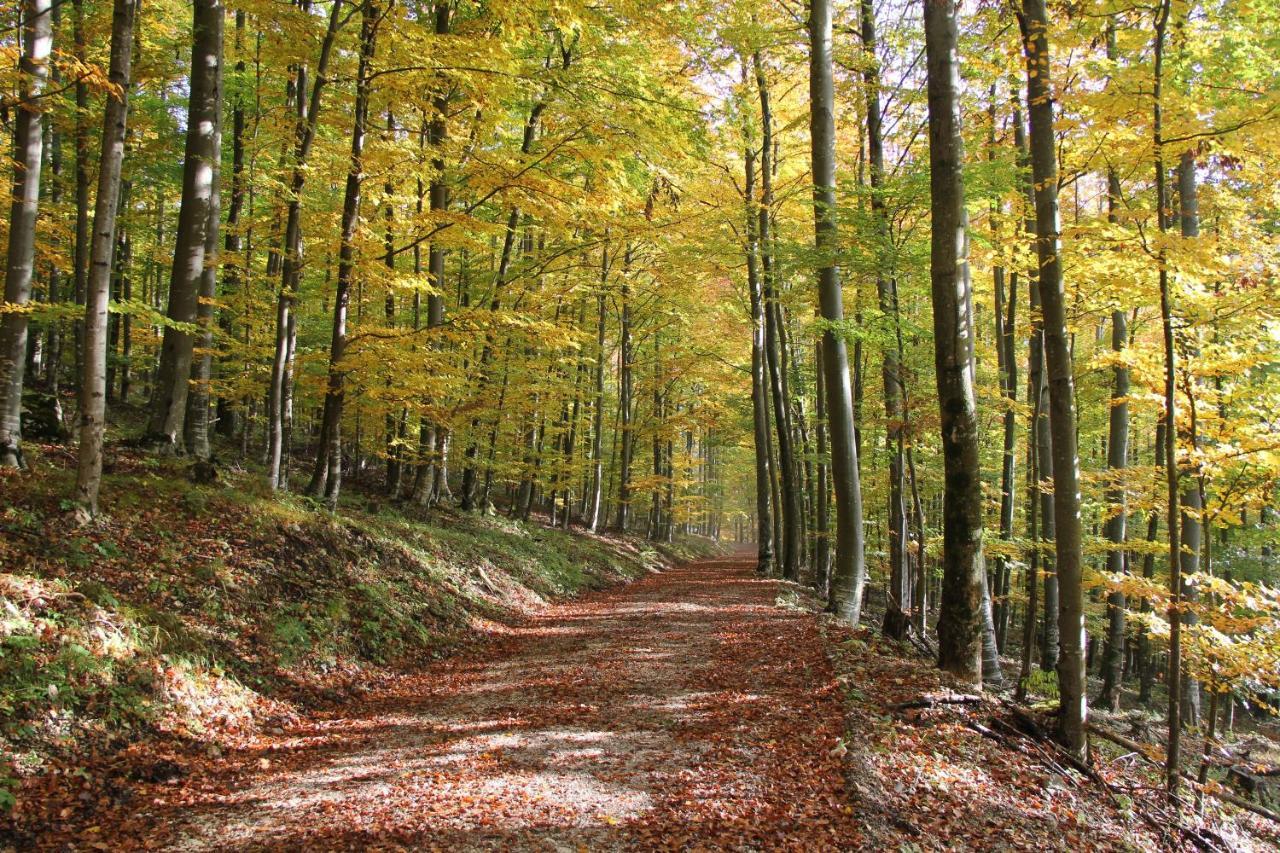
x=685, y=711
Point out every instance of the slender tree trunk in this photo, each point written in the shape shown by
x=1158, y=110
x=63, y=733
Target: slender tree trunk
x=1006, y=357
x=1173, y=678
x=28, y=155
x=597, y=404
x=1192, y=499
x=625, y=362
x=822, y=508
x=93, y=390
x=435, y=437
x=1062, y=415
x=850, y=572
x=233, y=281
x=765, y=564
x=1117, y=457
x=327, y=476
x=896, y=618
x=199, y=175
x=53, y=346
x=789, y=548
x=82, y=235
x=280, y=391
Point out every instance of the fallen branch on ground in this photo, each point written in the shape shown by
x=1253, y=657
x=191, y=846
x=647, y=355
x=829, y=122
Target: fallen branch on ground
x=1156, y=756
x=930, y=700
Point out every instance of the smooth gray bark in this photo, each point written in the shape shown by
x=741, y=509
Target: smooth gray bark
x=1116, y=527
x=759, y=390
x=849, y=571
x=326, y=478
x=199, y=176
x=960, y=624
x=93, y=383
x=196, y=422
x=28, y=155
x=1057, y=355
x=280, y=392
x=789, y=547
x=896, y=617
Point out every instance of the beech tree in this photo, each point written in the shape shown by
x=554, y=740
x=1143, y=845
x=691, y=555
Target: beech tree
x=93, y=390
x=28, y=153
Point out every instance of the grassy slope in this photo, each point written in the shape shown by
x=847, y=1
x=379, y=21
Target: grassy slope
x=202, y=612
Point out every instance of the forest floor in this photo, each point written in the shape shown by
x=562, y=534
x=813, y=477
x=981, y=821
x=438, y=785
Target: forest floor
x=699, y=708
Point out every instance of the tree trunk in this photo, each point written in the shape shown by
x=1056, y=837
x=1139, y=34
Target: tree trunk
x=28, y=155
x=624, y=397
x=765, y=564
x=82, y=234
x=1117, y=455
x=327, y=476
x=960, y=624
x=199, y=175
x=280, y=391
x=233, y=282
x=789, y=548
x=93, y=384
x=1007, y=363
x=1062, y=415
x=850, y=571
x=1192, y=501
x=597, y=406
x=896, y=617
x=196, y=425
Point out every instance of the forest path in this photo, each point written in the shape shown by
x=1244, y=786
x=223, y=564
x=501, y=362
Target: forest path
x=689, y=709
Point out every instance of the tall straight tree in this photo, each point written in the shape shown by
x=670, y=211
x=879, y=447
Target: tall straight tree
x=759, y=389
x=1034, y=23
x=896, y=621
x=326, y=480
x=196, y=217
x=93, y=384
x=28, y=153
x=290, y=268
x=960, y=617
x=196, y=423
x=1116, y=527
x=789, y=548
x=1172, y=473
x=850, y=571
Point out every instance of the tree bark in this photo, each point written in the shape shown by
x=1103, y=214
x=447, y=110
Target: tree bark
x=196, y=423
x=280, y=391
x=896, y=616
x=199, y=175
x=765, y=552
x=1006, y=335
x=28, y=155
x=597, y=404
x=849, y=572
x=789, y=547
x=93, y=384
x=960, y=624
x=1192, y=501
x=1116, y=527
x=1068, y=541
x=327, y=475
